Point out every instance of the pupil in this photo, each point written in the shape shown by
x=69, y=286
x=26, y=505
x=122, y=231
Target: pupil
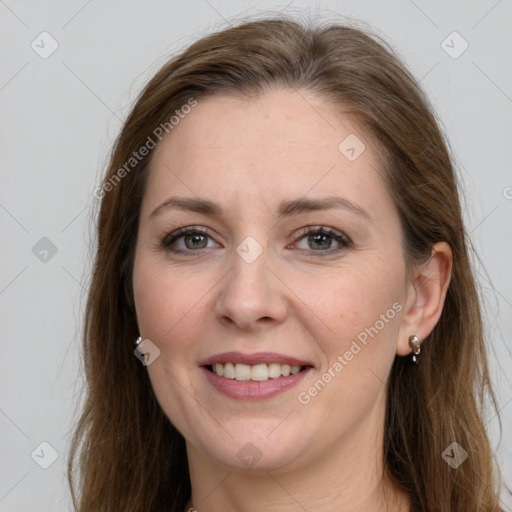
x=319, y=237
x=195, y=239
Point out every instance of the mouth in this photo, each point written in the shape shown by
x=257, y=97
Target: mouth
x=258, y=372
x=254, y=376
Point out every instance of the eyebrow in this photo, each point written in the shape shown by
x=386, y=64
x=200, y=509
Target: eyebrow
x=286, y=208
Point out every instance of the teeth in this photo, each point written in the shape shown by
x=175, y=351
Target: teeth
x=285, y=370
x=229, y=370
x=242, y=372
x=257, y=372
x=274, y=371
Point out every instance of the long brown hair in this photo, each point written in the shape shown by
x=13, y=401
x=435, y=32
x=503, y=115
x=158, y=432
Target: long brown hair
x=127, y=454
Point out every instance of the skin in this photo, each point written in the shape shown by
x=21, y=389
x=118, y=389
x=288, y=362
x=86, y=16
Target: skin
x=248, y=156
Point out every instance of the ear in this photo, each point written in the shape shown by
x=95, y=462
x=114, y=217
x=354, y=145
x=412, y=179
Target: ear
x=426, y=293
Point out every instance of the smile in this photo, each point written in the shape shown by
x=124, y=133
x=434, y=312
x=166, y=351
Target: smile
x=257, y=372
x=253, y=376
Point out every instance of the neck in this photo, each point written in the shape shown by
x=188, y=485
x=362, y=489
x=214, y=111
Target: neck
x=350, y=477
x=232, y=492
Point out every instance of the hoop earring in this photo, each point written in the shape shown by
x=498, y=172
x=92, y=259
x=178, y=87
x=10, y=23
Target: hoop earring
x=415, y=344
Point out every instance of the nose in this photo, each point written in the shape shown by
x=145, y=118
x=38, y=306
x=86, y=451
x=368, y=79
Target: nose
x=252, y=296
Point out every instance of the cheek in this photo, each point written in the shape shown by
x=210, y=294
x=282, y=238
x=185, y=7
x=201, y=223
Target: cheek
x=166, y=304
x=167, y=309
x=354, y=305
x=360, y=316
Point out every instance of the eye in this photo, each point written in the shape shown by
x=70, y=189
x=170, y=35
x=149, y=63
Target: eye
x=320, y=239
x=187, y=240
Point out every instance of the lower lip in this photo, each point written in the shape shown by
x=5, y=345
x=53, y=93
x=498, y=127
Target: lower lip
x=252, y=390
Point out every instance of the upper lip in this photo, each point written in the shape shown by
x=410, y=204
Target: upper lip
x=252, y=359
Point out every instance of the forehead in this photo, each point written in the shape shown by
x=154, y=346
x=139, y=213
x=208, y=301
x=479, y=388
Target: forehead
x=300, y=122
x=284, y=143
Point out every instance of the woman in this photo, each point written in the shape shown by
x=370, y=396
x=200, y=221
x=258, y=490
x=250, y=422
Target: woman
x=281, y=246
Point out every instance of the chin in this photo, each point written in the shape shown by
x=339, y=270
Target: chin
x=259, y=451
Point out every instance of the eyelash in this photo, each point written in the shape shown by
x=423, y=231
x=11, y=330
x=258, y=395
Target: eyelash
x=341, y=238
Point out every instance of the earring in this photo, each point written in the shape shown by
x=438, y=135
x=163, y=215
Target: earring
x=138, y=341
x=415, y=344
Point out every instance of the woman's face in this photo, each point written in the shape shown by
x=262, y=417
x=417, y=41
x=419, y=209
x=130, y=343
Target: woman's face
x=245, y=276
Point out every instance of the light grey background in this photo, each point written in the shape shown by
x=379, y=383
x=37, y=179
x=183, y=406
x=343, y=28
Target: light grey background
x=61, y=114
